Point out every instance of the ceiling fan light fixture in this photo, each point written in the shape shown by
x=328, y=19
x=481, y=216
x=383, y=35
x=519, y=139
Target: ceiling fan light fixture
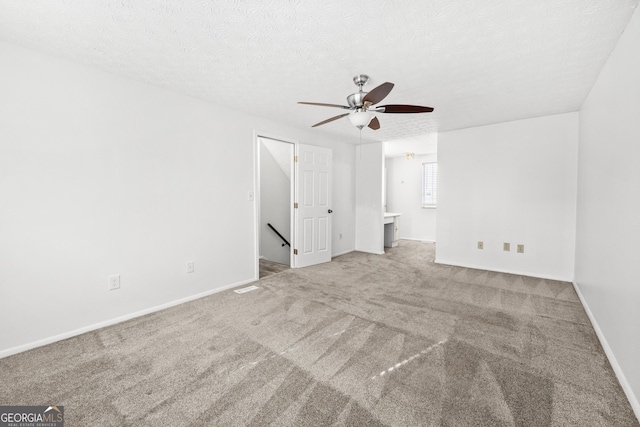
x=360, y=119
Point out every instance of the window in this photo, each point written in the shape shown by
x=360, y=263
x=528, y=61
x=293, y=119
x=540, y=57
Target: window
x=429, y=185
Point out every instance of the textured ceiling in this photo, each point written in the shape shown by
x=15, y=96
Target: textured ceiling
x=475, y=62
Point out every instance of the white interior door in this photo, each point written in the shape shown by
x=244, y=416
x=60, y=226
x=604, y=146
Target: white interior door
x=313, y=197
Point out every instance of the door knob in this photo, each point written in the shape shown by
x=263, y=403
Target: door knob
x=329, y=211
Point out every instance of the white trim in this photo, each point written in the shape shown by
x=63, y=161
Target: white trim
x=416, y=240
x=256, y=191
x=280, y=138
x=498, y=270
x=39, y=343
x=342, y=253
x=633, y=400
x=370, y=252
x=256, y=204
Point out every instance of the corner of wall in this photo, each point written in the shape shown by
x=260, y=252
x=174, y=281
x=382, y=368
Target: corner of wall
x=617, y=369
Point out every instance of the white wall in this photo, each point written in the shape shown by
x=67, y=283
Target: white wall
x=512, y=182
x=369, y=203
x=101, y=175
x=276, y=160
x=404, y=195
x=343, y=218
x=607, y=270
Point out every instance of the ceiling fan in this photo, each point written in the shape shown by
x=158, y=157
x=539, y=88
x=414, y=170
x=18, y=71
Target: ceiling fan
x=362, y=105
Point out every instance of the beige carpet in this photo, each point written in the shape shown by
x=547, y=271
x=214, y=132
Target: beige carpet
x=365, y=340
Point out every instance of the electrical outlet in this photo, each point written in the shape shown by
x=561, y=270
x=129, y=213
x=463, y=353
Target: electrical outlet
x=520, y=249
x=190, y=266
x=506, y=247
x=114, y=282
x=480, y=245
x=340, y=236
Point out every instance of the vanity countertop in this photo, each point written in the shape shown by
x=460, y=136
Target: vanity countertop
x=390, y=217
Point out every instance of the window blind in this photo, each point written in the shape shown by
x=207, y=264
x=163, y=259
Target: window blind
x=429, y=185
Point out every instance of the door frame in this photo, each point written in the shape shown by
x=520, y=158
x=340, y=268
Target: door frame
x=257, y=196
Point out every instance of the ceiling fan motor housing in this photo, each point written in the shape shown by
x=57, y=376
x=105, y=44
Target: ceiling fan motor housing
x=355, y=99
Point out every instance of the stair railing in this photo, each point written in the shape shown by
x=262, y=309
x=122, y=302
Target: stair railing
x=279, y=235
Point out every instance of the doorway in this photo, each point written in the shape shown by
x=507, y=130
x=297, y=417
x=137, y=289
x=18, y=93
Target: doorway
x=292, y=203
x=275, y=204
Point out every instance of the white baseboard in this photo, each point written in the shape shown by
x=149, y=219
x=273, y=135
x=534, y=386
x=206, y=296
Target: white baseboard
x=498, y=270
x=39, y=343
x=417, y=240
x=633, y=400
x=342, y=253
x=371, y=252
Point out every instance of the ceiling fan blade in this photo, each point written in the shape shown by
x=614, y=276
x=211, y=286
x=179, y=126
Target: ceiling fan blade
x=330, y=120
x=399, y=108
x=325, y=105
x=377, y=94
x=374, y=123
